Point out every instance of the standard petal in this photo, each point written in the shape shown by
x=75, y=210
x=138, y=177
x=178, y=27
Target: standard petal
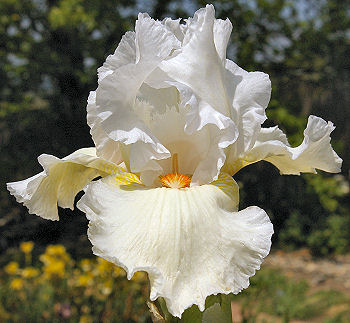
x=315, y=152
x=191, y=242
x=112, y=115
x=198, y=64
x=250, y=94
x=123, y=55
x=112, y=149
x=222, y=132
x=222, y=31
x=60, y=181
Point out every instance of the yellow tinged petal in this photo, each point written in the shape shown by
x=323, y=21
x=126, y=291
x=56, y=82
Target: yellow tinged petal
x=60, y=181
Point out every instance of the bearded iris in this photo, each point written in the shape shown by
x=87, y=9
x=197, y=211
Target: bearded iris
x=172, y=120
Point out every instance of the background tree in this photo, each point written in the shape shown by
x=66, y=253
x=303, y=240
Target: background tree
x=49, y=54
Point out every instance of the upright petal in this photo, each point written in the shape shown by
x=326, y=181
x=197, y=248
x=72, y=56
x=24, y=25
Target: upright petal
x=113, y=118
x=123, y=55
x=222, y=31
x=198, y=65
x=249, y=97
x=60, y=181
x=191, y=242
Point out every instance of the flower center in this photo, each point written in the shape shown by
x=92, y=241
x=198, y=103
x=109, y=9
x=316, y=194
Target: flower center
x=174, y=179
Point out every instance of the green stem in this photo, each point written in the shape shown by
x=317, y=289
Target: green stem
x=169, y=318
x=226, y=307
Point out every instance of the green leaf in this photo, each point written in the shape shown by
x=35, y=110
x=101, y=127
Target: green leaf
x=192, y=315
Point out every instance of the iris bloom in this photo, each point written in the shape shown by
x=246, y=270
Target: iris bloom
x=172, y=120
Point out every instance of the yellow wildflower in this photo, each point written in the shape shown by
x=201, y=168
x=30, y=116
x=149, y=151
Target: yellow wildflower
x=119, y=272
x=30, y=272
x=139, y=277
x=85, y=319
x=55, y=269
x=104, y=266
x=26, y=247
x=84, y=280
x=86, y=264
x=11, y=268
x=56, y=250
x=107, y=287
x=16, y=284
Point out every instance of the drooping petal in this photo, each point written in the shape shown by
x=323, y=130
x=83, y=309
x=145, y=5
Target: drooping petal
x=60, y=181
x=192, y=242
x=315, y=152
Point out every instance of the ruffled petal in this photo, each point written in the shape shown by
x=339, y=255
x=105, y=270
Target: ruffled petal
x=113, y=150
x=315, y=152
x=113, y=117
x=169, y=128
x=222, y=31
x=60, y=181
x=123, y=55
x=198, y=64
x=250, y=94
x=192, y=242
x=222, y=132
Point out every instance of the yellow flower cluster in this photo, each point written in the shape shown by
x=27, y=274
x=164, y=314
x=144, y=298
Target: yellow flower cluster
x=55, y=260
x=90, y=284
x=27, y=247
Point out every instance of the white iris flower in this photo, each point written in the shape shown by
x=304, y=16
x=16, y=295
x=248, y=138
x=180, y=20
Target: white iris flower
x=172, y=120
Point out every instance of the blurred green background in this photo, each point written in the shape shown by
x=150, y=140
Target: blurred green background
x=49, y=53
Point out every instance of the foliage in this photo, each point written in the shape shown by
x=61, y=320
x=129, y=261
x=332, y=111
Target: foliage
x=52, y=287
x=273, y=293
x=62, y=290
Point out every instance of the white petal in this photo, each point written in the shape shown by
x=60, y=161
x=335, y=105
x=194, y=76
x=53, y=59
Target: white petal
x=112, y=117
x=222, y=32
x=169, y=128
x=153, y=39
x=198, y=65
x=250, y=95
x=60, y=181
x=315, y=152
x=222, y=133
x=123, y=55
x=175, y=27
x=112, y=149
x=191, y=241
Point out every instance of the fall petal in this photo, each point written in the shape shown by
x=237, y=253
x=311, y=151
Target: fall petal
x=315, y=152
x=192, y=242
x=60, y=181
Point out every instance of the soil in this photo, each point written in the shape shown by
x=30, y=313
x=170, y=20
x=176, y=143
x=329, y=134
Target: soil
x=321, y=274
